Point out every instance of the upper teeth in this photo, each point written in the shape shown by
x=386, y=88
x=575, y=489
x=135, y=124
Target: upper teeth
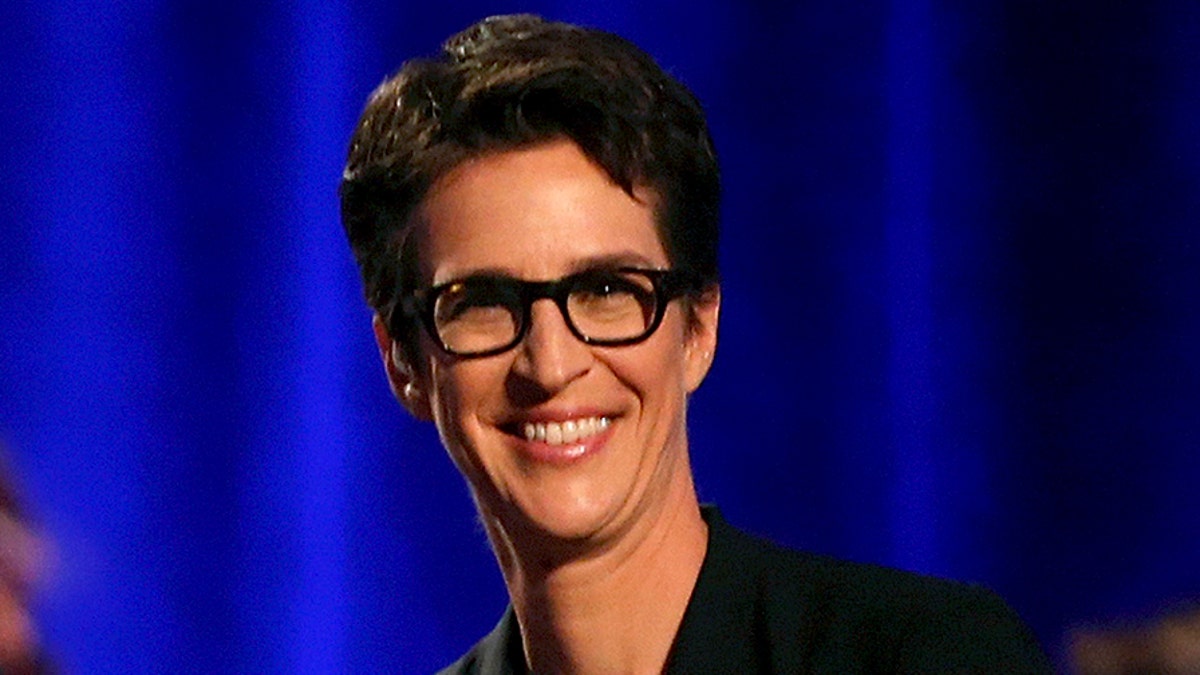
x=570, y=431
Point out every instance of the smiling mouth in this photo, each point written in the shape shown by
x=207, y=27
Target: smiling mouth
x=562, y=433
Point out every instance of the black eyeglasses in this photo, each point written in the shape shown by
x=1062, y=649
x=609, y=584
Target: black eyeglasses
x=489, y=314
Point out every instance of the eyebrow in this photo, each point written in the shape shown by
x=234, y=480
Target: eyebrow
x=611, y=261
x=606, y=261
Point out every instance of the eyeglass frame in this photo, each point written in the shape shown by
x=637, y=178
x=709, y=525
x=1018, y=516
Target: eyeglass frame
x=666, y=285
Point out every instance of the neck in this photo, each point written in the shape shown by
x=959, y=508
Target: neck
x=617, y=607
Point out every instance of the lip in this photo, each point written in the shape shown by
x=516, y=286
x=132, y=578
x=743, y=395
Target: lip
x=562, y=454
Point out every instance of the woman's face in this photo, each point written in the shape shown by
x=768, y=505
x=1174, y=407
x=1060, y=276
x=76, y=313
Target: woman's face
x=613, y=418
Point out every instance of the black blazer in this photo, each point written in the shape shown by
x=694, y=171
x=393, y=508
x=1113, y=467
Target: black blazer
x=761, y=608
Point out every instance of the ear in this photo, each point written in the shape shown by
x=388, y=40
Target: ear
x=401, y=373
x=702, y=337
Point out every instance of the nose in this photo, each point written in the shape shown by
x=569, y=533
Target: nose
x=550, y=357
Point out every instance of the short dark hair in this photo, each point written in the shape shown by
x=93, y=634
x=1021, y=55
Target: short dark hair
x=513, y=81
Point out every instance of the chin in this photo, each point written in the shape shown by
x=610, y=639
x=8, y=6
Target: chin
x=567, y=516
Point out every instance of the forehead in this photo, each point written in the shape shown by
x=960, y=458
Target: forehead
x=534, y=213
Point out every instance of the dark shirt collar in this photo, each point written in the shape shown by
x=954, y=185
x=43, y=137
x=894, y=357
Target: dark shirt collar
x=710, y=634
x=501, y=652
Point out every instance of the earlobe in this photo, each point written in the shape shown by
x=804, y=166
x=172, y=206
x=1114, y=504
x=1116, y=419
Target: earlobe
x=414, y=397
x=402, y=376
x=702, y=337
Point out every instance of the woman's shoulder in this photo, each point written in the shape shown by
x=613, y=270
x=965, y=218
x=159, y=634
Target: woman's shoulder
x=828, y=580
x=806, y=609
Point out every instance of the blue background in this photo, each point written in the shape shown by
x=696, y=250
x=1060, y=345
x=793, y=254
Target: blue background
x=961, y=263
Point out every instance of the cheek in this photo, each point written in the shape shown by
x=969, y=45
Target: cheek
x=446, y=401
x=460, y=394
x=658, y=372
x=454, y=432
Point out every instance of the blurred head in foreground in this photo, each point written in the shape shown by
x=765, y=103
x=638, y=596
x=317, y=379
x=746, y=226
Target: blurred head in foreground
x=1169, y=645
x=21, y=560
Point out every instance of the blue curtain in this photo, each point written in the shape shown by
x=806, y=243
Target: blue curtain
x=961, y=269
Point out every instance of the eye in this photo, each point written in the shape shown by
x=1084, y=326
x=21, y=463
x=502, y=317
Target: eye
x=611, y=304
x=600, y=286
x=476, y=301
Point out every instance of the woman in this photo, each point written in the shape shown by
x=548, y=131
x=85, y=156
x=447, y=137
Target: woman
x=535, y=215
